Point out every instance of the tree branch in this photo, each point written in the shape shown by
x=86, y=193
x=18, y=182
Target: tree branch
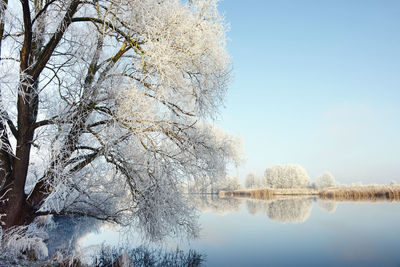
x=133, y=44
x=26, y=49
x=107, y=218
x=48, y=50
x=42, y=10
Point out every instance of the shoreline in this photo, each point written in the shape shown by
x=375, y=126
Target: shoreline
x=340, y=193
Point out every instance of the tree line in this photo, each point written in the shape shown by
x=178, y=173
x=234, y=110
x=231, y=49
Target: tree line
x=288, y=176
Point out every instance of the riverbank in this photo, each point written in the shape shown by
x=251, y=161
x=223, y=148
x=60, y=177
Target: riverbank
x=366, y=192
x=341, y=193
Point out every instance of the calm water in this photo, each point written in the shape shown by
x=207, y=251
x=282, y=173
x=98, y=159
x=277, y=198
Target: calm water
x=289, y=232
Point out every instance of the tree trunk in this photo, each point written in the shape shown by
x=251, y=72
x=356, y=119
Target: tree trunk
x=16, y=207
x=33, y=59
x=5, y=162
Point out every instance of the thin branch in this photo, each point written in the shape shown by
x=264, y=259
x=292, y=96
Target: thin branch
x=87, y=148
x=55, y=39
x=134, y=44
x=38, y=124
x=42, y=11
x=10, y=58
x=98, y=123
x=26, y=49
x=107, y=218
x=87, y=160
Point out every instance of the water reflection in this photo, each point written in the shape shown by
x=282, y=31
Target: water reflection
x=254, y=207
x=67, y=230
x=238, y=237
x=288, y=210
x=144, y=257
x=211, y=202
x=285, y=210
x=282, y=209
x=329, y=206
x=350, y=238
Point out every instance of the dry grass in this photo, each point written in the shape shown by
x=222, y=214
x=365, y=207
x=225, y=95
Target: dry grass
x=268, y=193
x=249, y=193
x=295, y=192
x=362, y=192
x=342, y=193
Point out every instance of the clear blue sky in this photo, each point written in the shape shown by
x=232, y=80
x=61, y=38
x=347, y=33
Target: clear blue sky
x=316, y=83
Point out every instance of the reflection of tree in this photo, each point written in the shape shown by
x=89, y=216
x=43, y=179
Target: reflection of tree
x=329, y=206
x=143, y=256
x=253, y=206
x=212, y=202
x=288, y=210
x=64, y=237
x=68, y=230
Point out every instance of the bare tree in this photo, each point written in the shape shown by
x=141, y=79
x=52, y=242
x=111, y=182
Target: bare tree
x=105, y=108
x=252, y=181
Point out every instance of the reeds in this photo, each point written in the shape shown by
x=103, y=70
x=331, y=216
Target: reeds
x=249, y=193
x=296, y=191
x=268, y=193
x=362, y=192
x=342, y=193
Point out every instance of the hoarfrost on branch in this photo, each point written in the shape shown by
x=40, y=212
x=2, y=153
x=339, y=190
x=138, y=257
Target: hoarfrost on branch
x=107, y=106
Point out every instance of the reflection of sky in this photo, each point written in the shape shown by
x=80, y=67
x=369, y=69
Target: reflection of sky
x=105, y=233
x=356, y=234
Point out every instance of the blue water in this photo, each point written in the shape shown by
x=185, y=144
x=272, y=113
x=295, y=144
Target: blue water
x=291, y=232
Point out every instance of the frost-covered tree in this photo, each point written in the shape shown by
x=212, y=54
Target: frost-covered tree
x=230, y=183
x=325, y=180
x=105, y=108
x=286, y=176
x=211, y=185
x=252, y=181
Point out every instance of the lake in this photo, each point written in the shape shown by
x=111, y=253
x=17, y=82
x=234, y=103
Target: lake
x=291, y=231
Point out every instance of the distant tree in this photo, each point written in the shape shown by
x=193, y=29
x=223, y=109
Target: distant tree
x=286, y=176
x=252, y=181
x=207, y=185
x=325, y=180
x=230, y=183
